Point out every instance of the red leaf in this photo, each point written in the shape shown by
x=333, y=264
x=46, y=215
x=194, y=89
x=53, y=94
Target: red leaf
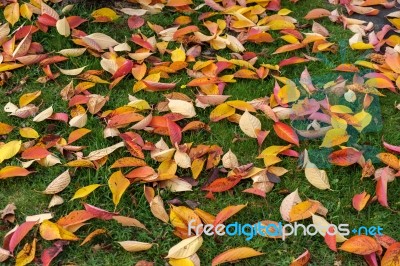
x=53, y=60
x=135, y=22
x=344, y=157
x=99, y=213
x=50, y=253
x=391, y=148
x=330, y=238
x=47, y=20
x=139, y=41
x=25, y=30
x=19, y=234
x=371, y=259
x=75, y=21
x=124, y=69
x=256, y=191
x=174, y=131
x=286, y=132
x=158, y=86
x=381, y=191
x=293, y=60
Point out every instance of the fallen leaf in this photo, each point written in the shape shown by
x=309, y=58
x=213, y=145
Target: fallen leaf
x=235, y=254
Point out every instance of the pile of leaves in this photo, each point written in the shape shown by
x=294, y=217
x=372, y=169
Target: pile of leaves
x=297, y=109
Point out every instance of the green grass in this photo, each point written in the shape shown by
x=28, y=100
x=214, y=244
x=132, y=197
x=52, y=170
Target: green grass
x=345, y=181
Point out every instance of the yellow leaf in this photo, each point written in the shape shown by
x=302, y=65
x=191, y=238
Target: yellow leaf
x=361, y=46
x=389, y=159
x=11, y=13
x=280, y=24
x=28, y=98
x=167, y=169
x=135, y=246
x=25, y=11
x=83, y=192
x=51, y=231
x=27, y=254
x=323, y=225
x=290, y=38
x=9, y=66
x=221, y=111
x=364, y=119
x=197, y=167
x=118, y=183
x=28, y=132
x=335, y=136
x=105, y=12
x=284, y=12
x=9, y=149
x=178, y=55
x=341, y=109
x=288, y=93
x=181, y=262
x=185, y=248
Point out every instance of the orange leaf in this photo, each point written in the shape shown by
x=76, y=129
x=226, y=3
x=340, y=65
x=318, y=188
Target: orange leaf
x=92, y=235
x=302, y=260
x=317, y=13
x=223, y=184
x=344, y=157
x=303, y=210
x=360, y=200
x=5, y=128
x=226, y=213
x=128, y=162
x=286, y=132
x=74, y=218
x=235, y=254
x=34, y=153
x=392, y=255
x=12, y=171
x=389, y=159
x=77, y=134
x=361, y=245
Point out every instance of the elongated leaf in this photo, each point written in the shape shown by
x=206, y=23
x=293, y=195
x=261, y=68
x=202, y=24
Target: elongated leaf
x=235, y=254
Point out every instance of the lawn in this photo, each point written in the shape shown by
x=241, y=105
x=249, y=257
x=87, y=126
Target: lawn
x=25, y=192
